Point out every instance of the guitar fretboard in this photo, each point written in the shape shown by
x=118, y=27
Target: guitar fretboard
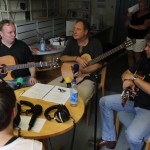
x=101, y=57
x=39, y=64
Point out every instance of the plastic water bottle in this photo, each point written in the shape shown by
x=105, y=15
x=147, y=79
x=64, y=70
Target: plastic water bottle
x=74, y=93
x=42, y=44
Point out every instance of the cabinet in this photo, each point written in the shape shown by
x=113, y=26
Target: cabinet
x=79, y=9
x=11, y=9
x=42, y=9
x=26, y=9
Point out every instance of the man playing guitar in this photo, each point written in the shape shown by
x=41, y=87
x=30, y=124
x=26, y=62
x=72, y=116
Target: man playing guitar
x=10, y=46
x=79, y=50
x=138, y=129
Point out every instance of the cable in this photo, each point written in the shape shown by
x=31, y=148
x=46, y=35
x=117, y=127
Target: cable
x=19, y=132
x=73, y=135
x=50, y=144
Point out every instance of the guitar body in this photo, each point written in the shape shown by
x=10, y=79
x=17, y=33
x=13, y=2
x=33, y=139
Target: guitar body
x=7, y=60
x=8, y=63
x=66, y=69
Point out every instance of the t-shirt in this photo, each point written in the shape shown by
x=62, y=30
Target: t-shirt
x=21, y=53
x=93, y=48
x=23, y=144
x=138, y=34
x=142, y=99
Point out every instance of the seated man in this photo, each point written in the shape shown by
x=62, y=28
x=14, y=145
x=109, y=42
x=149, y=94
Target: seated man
x=79, y=45
x=19, y=51
x=8, y=112
x=138, y=103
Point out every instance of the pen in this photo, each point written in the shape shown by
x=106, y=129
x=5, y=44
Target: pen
x=21, y=93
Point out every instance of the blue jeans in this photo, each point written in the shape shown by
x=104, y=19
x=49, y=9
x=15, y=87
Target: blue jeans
x=138, y=129
x=13, y=83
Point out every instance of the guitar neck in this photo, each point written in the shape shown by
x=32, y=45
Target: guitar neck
x=23, y=66
x=101, y=57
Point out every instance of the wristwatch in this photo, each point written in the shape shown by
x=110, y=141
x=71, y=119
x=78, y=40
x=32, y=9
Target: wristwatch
x=134, y=78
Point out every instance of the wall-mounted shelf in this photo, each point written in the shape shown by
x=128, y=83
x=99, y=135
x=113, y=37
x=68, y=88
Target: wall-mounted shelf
x=79, y=9
x=26, y=9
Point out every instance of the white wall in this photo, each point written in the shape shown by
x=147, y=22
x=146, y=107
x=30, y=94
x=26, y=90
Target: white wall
x=107, y=13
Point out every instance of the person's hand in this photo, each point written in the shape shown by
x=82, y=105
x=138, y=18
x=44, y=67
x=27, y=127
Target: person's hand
x=129, y=84
x=82, y=62
x=77, y=74
x=33, y=80
x=129, y=15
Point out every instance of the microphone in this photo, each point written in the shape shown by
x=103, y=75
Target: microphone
x=68, y=82
x=37, y=110
x=19, y=83
x=75, y=68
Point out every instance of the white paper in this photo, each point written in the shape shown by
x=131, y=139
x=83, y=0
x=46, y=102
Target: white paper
x=38, y=91
x=58, y=95
x=48, y=93
x=24, y=124
x=134, y=8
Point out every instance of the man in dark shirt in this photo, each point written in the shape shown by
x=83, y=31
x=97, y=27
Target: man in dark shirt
x=80, y=49
x=19, y=51
x=136, y=81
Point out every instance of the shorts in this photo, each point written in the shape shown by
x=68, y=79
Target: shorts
x=138, y=46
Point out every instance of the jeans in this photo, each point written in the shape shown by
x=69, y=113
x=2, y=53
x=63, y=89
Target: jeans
x=13, y=83
x=137, y=131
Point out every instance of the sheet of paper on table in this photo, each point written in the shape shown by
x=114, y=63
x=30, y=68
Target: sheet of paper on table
x=24, y=124
x=48, y=93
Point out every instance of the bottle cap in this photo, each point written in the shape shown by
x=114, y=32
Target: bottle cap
x=73, y=80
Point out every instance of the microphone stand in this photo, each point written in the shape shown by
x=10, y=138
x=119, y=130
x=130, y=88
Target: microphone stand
x=3, y=82
x=96, y=77
x=96, y=99
x=96, y=81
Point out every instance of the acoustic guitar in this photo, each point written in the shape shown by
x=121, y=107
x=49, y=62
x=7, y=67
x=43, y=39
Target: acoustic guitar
x=128, y=93
x=8, y=63
x=66, y=68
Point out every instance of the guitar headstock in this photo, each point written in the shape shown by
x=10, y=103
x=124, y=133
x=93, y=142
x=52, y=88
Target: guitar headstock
x=128, y=43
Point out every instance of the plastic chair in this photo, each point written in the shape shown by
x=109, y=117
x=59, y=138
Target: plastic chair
x=125, y=118
x=102, y=88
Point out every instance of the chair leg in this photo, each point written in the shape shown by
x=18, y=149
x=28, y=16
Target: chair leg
x=88, y=117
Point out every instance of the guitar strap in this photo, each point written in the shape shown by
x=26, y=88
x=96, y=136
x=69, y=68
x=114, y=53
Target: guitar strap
x=92, y=76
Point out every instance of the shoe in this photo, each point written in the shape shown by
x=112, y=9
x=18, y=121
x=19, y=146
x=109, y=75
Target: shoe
x=101, y=142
